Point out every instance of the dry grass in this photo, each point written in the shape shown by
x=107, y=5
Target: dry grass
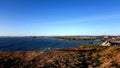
x=89, y=56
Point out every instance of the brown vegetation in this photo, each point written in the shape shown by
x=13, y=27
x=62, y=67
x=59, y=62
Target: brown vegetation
x=89, y=56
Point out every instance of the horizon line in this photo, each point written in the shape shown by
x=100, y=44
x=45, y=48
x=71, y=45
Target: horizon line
x=55, y=35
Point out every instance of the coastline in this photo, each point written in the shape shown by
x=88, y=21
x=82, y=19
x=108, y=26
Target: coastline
x=85, y=56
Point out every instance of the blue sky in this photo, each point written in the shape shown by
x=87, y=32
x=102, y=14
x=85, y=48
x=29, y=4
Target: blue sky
x=59, y=17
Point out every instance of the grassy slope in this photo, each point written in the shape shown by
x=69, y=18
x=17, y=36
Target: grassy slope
x=85, y=56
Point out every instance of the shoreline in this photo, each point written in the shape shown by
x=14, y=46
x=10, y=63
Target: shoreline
x=82, y=56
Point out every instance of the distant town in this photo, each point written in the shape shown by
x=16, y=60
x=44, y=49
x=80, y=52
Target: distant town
x=106, y=39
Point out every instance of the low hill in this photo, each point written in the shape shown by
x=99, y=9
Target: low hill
x=84, y=56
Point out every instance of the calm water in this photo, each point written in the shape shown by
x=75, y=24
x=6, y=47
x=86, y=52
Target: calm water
x=22, y=44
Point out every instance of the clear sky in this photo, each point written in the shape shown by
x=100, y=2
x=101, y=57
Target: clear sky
x=59, y=17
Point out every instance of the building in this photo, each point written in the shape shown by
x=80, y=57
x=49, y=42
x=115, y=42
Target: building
x=106, y=43
x=111, y=43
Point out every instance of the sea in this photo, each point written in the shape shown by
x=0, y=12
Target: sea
x=29, y=43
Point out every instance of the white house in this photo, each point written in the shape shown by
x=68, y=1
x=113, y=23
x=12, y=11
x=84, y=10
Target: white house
x=106, y=43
